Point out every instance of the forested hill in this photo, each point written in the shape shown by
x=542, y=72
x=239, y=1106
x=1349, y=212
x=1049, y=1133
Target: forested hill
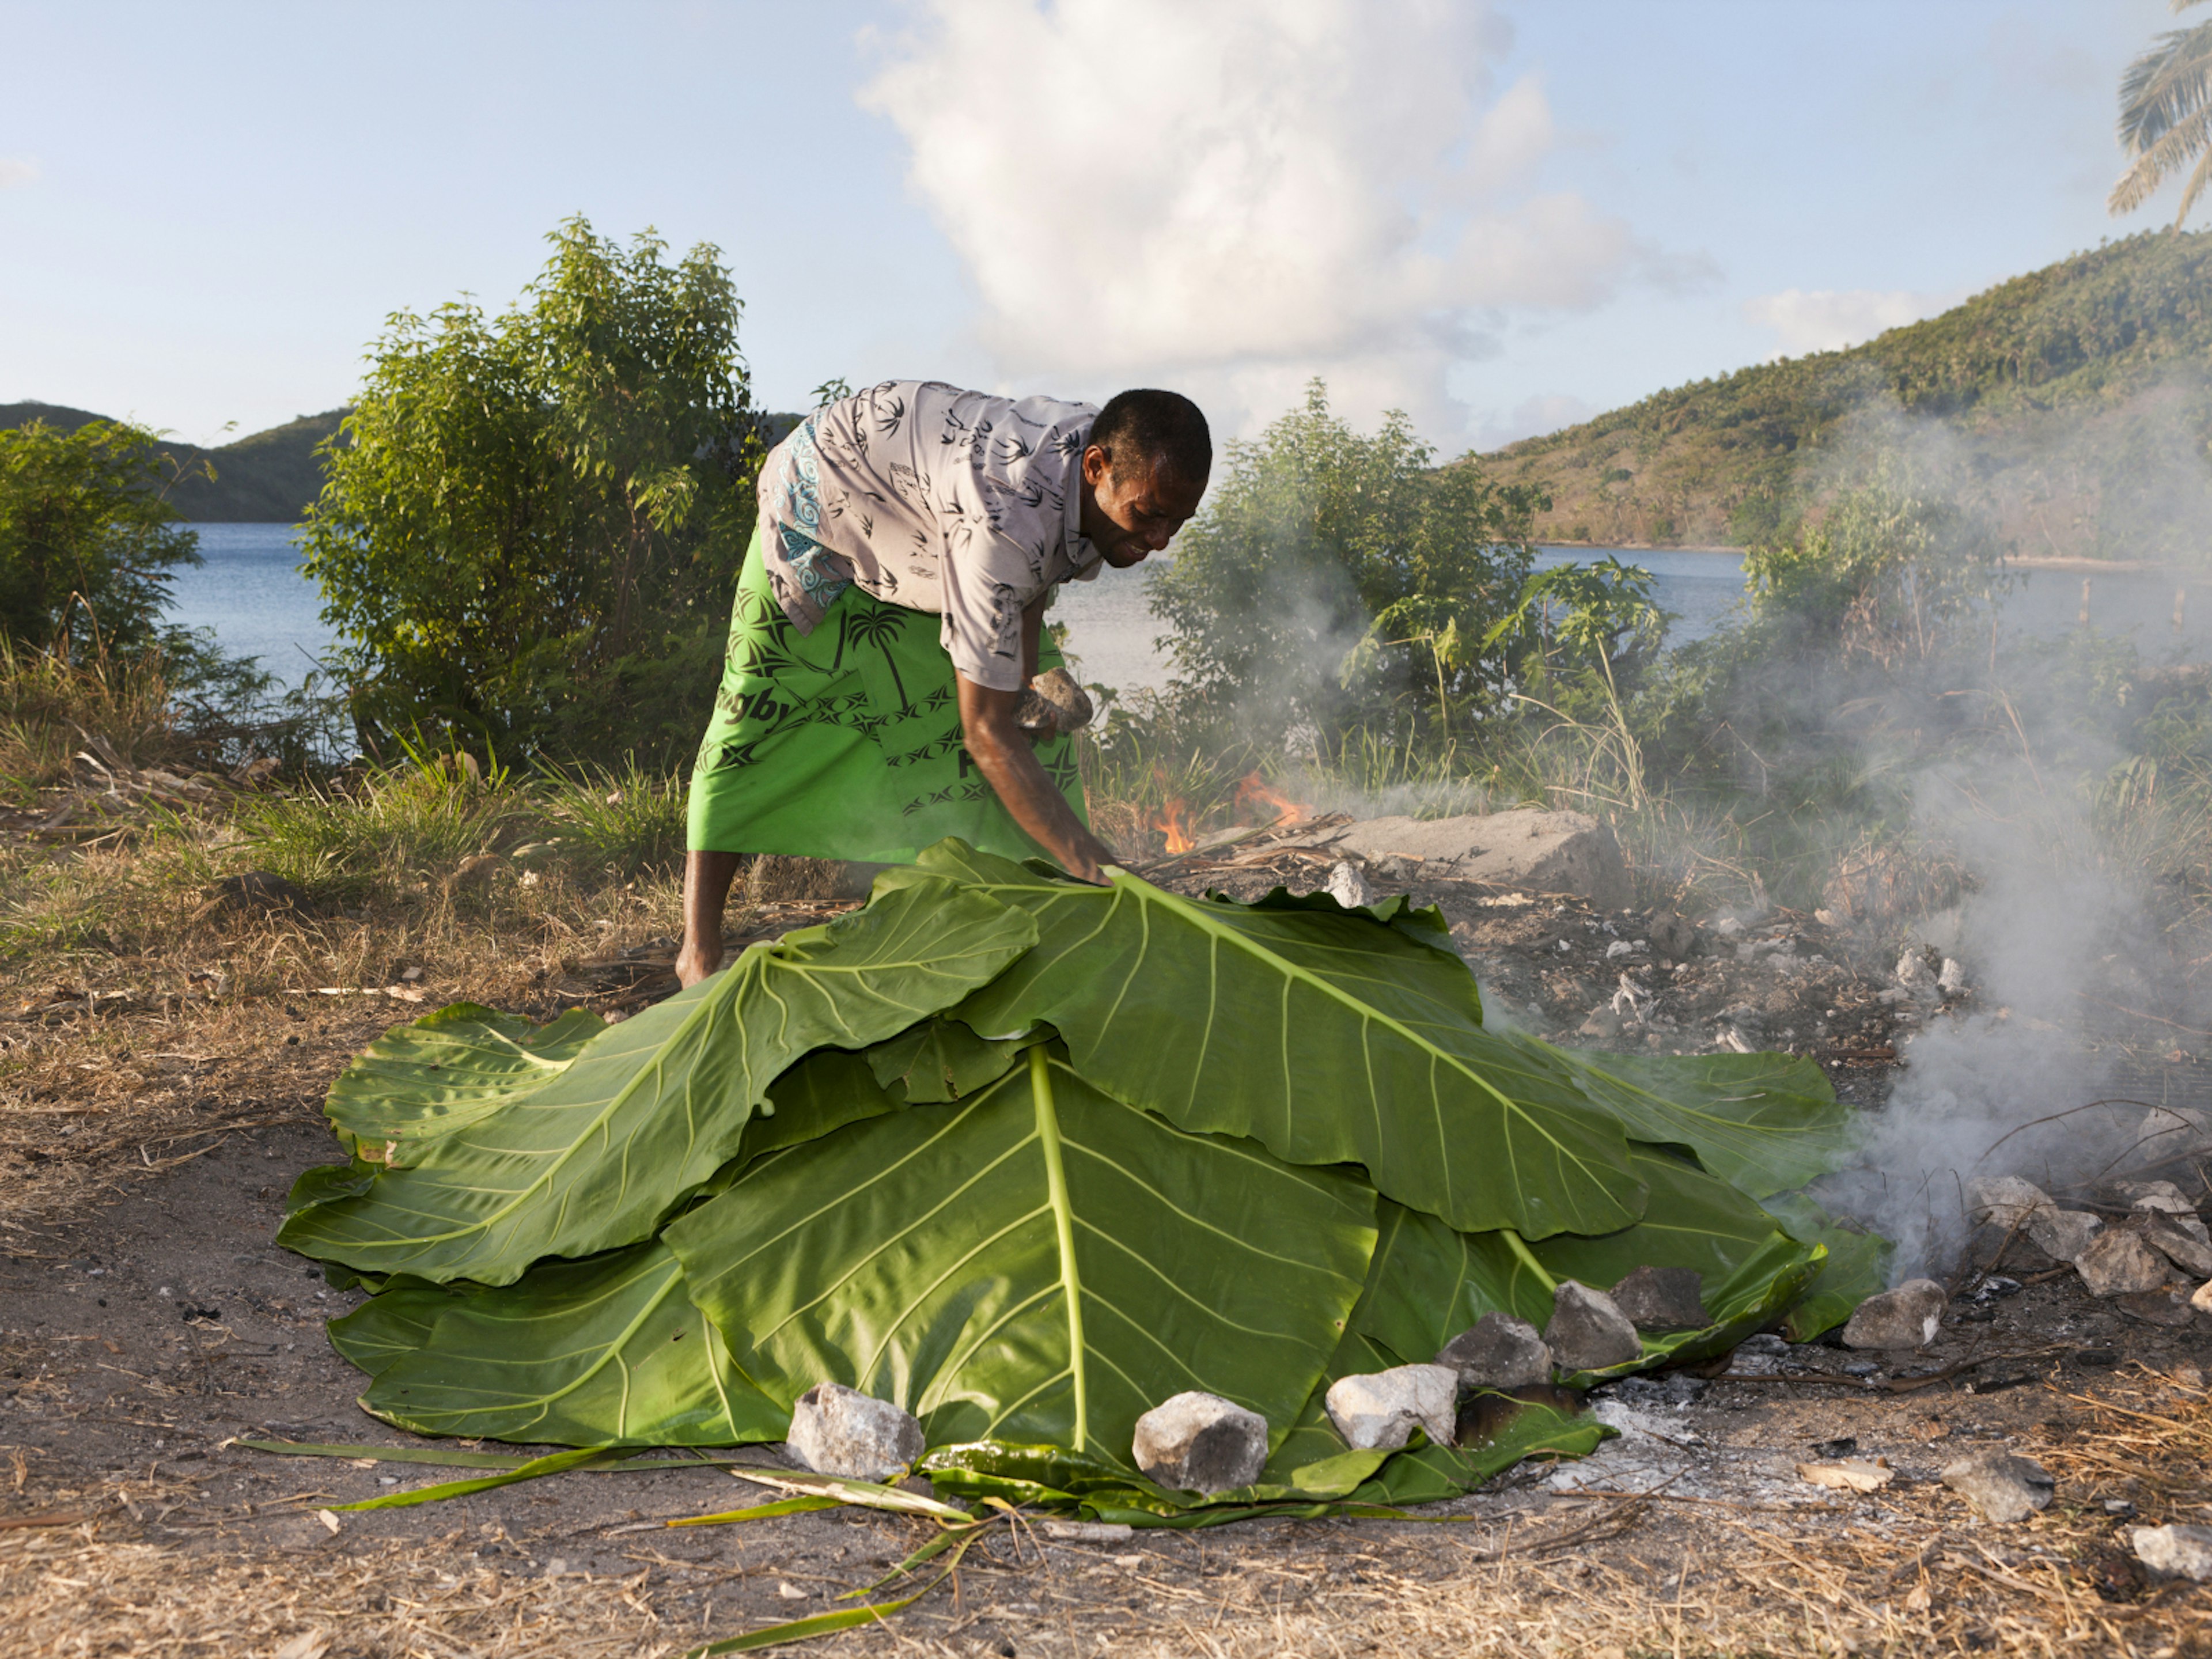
x=268, y=477
x=2072, y=402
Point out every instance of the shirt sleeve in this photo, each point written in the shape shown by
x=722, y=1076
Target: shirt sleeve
x=987, y=584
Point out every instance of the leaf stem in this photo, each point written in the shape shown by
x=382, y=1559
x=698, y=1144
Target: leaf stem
x=1520, y=1248
x=1063, y=1221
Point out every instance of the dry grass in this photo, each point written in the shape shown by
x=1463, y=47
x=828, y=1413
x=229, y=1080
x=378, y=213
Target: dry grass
x=1910, y=1573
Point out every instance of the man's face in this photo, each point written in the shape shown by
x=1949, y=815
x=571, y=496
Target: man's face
x=1131, y=513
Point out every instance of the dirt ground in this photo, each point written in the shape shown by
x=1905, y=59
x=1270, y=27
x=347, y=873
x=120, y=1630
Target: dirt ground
x=148, y=1323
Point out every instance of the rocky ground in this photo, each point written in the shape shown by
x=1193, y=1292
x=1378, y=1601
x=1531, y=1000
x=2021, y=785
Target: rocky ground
x=148, y=1326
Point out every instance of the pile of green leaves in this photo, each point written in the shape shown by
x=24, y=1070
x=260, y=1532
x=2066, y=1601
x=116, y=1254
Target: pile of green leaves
x=1027, y=1157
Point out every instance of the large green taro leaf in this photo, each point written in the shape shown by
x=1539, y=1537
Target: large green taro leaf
x=1762, y=1122
x=1857, y=1266
x=1429, y=1283
x=647, y=1112
x=1036, y=1261
x=1325, y=1036
x=395, y=1321
x=1426, y=1283
x=941, y=1059
x=609, y=1351
x=448, y=1069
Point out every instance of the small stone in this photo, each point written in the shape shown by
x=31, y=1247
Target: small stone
x=2168, y=1308
x=2166, y=1233
x=1053, y=703
x=2155, y=1195
x=2002, y=1485
x=1670, y=936
x=2201, y=1301
x=1588, y=1332
x=1601, y=1024
x=1380, y=1410
x=839, y=1430
x=1198, y=1442
x=1498, y=1351
x=2168, y=1134
x=1907, y=1317
x=2063, y=1235
x=1663, y=1299
x=2176, y=1552
x=2119, y=1262
x=1849, y=1474
x=1952, y=980
x=1348, y=886
x=2007, y=1200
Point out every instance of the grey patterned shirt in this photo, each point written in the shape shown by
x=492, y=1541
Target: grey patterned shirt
x=939, y=500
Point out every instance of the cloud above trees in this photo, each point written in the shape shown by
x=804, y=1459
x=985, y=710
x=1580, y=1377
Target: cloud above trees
x=1828, y=320
x=1235, y=197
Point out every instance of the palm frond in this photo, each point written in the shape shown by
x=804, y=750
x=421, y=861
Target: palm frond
x=2165, y=97
x=2194, y=188
x=2175, y=149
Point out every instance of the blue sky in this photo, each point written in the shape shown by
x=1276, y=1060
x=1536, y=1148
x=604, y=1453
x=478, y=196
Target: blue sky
x=1498, y=218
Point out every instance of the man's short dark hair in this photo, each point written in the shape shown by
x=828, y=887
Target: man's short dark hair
x=1160, y=429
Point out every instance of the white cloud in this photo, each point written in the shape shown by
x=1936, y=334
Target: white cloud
x=13, y=172
x=1826, y=319
x=1235, y=195
x=1531, y=417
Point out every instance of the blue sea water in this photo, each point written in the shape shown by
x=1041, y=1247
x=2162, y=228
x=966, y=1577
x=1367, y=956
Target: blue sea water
x=251, y=593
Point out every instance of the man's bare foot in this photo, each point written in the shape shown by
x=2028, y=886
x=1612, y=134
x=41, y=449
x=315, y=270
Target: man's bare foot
x=695, y=961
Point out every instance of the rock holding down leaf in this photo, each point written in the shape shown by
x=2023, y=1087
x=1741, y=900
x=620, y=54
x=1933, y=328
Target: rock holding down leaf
x=838, y=1430
x=1201, y=1443
x=1380, y=1411
x=1662, y=1299
x=1498, y=1351
x=1587, y=1331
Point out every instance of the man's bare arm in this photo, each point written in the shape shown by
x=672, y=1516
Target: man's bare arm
x=1001, y=752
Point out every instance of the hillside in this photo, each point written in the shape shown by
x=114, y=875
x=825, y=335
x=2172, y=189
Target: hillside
x=268, y=477
x=2074, y=403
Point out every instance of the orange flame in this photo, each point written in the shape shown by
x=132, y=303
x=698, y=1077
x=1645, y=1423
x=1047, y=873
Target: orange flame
x=1272, y=805
x=1174, y=823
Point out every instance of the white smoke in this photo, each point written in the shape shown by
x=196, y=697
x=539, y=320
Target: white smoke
x=15, y=171
x=1235, y=197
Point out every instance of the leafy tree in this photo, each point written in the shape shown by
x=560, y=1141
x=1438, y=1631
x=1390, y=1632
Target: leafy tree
x=88, y=537
x=1336, y=581
x=1582, y=619
x=2166, y=117
x=533, y=524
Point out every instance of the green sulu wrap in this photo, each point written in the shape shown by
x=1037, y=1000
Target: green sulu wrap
x=844, y=742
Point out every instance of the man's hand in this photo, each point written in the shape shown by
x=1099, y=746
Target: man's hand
x=1000, y=749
